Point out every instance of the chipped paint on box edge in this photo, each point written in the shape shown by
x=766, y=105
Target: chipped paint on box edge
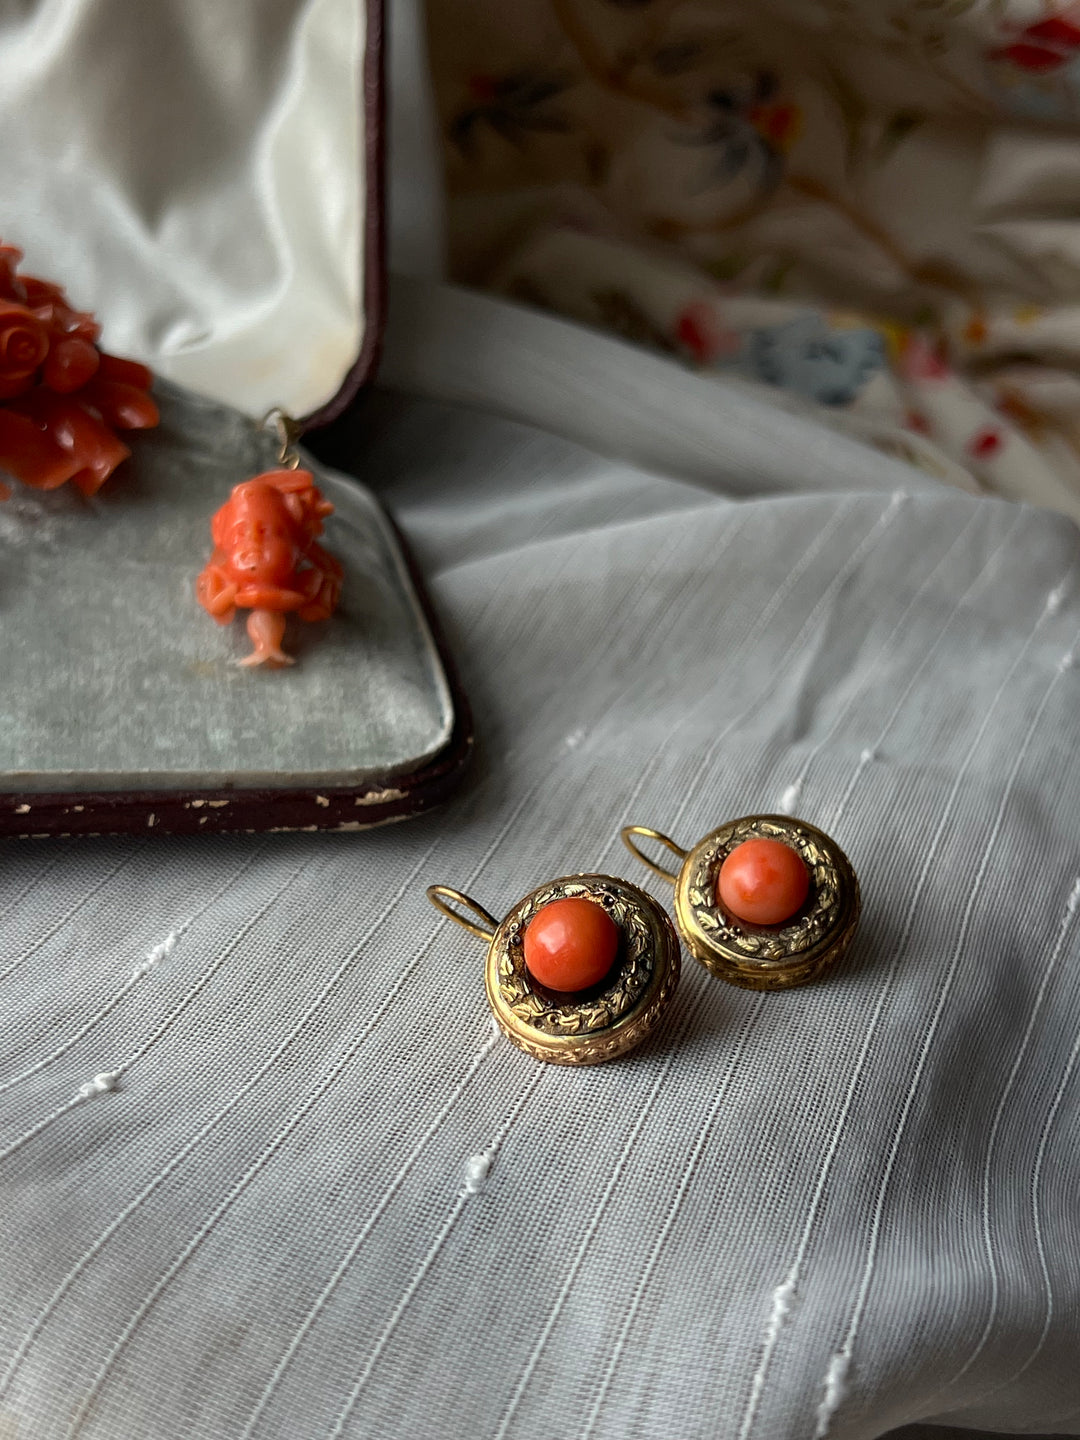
x=379, y=797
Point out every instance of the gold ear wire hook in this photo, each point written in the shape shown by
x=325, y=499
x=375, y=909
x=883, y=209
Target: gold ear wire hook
x=669, y=875
x=440, y=894
x=288, y=433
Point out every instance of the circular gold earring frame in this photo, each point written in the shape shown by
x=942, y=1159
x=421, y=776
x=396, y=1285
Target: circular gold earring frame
x=760, y=957
x=608, y=1021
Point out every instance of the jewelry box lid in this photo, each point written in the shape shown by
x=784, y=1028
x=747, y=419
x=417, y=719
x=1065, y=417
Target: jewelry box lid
x=207, y=179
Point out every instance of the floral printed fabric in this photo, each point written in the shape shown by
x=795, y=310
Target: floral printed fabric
x=870, y=206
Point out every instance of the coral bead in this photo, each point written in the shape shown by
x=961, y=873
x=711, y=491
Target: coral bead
x=570, y=944
x=763, y=882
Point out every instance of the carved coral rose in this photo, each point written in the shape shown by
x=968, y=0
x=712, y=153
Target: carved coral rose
x=24, y=345
x=62, y=399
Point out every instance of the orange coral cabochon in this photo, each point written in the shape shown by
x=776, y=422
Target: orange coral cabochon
x=763, y=882
x=570, y=944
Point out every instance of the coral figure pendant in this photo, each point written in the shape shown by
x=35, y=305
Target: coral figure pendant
x=266, y=560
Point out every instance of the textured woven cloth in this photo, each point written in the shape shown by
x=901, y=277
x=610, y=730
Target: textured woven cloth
x=866, y=205
x=265, y=1170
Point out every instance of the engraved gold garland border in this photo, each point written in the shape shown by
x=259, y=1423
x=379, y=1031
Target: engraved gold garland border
x=640, y=945
x=605, y=1044
x=833, y=891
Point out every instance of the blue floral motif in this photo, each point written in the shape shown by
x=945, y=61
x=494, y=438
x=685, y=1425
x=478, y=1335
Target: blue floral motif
x=745, y=132
x=808, y=358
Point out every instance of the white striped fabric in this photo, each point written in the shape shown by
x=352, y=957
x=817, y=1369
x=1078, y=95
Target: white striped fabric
x=267, y=1172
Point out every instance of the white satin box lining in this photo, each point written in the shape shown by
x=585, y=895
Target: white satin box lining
x=194, y=173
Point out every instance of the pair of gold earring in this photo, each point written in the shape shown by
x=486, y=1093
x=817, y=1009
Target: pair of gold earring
x=581, y=970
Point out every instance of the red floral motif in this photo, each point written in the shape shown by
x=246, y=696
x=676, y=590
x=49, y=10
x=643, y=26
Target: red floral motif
x=916, y=421
x=780, y=125
x=985, y=443
x=266, y=560
x=699, y=332
x=1057, y=30
x=1045, y=46
x=921, y=360
x=62, y=399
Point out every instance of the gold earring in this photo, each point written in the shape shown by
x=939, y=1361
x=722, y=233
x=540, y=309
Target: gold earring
x=766, y=902
x=579, y=971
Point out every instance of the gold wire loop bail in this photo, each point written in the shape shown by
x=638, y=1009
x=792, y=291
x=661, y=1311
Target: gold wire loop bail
x=288, y=433
x=669, y=875
x=440, y=894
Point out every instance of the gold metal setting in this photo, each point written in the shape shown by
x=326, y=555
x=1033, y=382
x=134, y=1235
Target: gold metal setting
x=287, y=431
x=605, y=1022
x=760, y=957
